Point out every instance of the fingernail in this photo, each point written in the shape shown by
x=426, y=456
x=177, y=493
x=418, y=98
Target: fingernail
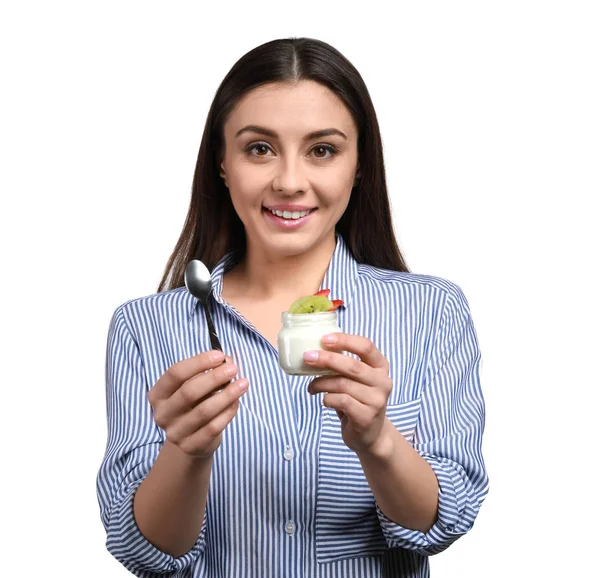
x=243, y=384
x=217, y=356
x=329, y=338
x=311, y=355
x=230, y=370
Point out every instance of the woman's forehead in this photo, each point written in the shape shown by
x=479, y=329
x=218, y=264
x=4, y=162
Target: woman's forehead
x=292, y=108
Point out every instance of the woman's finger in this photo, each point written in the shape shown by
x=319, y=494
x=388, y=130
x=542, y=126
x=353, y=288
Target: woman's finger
x=358, y=413
x=182, y=371
x=359, y=345
x=345, y=365
x=191, y=393
x=205, y=438
x=207, y=411
x=341, y=384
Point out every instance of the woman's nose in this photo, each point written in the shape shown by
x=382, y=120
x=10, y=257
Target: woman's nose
x=290, y=176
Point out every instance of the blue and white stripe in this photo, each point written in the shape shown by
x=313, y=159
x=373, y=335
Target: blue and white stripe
x=287, y=497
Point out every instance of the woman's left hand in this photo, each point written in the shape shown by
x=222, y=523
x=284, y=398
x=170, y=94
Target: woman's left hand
x=359, y=393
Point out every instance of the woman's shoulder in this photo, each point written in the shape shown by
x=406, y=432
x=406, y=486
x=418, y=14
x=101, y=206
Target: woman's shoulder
x=174, y=302
x=403, y=291
x=405, y=281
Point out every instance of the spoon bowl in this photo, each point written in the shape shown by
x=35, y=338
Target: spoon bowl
x=198, y=282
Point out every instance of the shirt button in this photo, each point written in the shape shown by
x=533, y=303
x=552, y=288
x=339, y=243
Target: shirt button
x=290, y=528
x=288, y=454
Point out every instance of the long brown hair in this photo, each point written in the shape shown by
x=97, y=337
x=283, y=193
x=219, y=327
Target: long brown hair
x=212, y=227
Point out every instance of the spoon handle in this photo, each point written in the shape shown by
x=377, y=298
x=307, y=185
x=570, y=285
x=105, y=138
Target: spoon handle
x=214, y=340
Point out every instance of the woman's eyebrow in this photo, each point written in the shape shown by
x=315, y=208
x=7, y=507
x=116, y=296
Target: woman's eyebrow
x=273, y=134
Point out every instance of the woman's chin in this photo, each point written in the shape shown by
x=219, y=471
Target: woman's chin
x=291, y=245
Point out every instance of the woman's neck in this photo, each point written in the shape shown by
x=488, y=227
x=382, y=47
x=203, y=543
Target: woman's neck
x=260, y=276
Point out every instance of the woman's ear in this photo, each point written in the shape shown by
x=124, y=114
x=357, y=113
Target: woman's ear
x=222, y=173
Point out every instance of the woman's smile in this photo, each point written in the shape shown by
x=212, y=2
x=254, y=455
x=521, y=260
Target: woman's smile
x=288, y=220
x=287, y=216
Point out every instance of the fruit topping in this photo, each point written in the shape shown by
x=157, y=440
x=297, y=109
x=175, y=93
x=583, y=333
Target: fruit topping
x=317, y=303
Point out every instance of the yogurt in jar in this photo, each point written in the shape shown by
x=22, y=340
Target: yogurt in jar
x=303, y=332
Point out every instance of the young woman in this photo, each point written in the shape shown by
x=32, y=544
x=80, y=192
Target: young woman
x=364, y=473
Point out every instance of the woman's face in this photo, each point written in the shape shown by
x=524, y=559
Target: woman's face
x=275, y=160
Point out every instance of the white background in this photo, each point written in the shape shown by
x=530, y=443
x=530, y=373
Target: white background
x=489, y=113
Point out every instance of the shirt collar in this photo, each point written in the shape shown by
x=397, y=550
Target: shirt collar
x=340, y=276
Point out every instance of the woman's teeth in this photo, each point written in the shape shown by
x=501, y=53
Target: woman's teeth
x=290, y=215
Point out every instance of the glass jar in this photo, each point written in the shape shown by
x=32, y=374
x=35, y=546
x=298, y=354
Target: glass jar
x=303, y=332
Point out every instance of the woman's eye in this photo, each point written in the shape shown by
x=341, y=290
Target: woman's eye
x=258, y=149
x=320, y=151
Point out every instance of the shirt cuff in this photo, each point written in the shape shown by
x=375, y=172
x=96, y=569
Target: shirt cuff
x=456, y=514
x=127, y=544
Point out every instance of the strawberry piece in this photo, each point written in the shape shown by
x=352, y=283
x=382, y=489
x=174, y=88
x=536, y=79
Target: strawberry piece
x=336, y=304
x=323, y=292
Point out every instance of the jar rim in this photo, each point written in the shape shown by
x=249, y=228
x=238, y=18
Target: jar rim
x=288, y=314
x=322, y=315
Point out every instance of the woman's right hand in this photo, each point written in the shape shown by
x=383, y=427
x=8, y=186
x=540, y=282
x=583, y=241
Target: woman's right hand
x=187, y=407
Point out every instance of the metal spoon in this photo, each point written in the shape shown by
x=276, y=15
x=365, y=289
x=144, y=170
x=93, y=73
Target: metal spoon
x=197, y=281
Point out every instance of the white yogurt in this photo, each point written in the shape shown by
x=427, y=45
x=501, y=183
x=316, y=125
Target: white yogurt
x=303, y=332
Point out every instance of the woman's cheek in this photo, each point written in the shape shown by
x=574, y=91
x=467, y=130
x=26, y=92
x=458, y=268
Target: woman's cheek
x=253, y=177
x=336, y=188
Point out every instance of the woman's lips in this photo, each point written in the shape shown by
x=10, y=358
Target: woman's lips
x=287, y=224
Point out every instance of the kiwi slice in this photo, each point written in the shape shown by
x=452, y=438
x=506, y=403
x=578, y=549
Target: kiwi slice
x=311, y=304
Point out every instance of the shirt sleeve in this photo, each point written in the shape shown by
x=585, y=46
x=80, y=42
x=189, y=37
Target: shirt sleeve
x=448, y=433
x=134, y=442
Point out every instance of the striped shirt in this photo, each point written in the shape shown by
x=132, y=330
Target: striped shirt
x=287, y=497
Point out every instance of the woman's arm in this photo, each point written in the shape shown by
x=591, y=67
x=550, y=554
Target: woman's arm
x=170, y=503
x=152, y=492
x=403, y=483
x=447, y=440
